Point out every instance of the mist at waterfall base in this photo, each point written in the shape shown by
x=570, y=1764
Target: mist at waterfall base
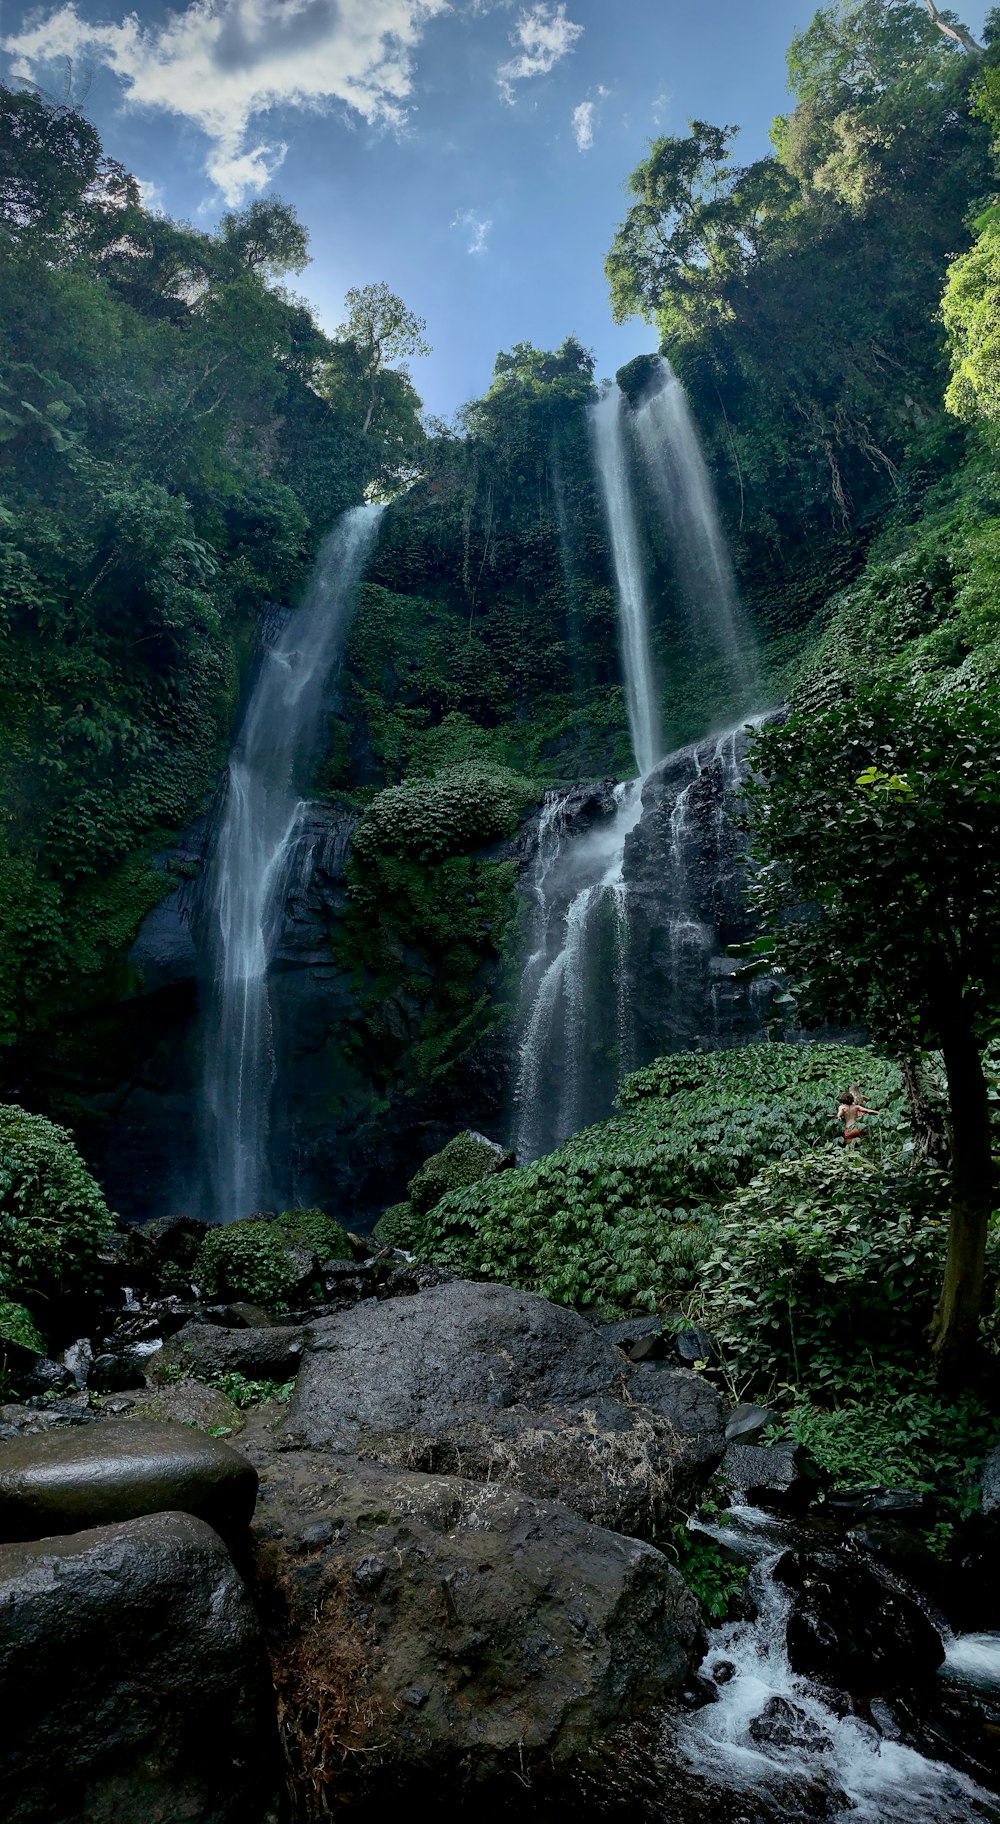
x=245, y=888
x=594, y=938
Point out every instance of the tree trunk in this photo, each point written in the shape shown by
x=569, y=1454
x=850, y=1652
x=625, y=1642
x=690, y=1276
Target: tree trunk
x=930, y=1139
x=954, y=1330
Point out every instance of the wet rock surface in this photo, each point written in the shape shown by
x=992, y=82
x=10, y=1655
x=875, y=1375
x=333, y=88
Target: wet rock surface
x=73, y=1478
x=850, y=1625
x=440, y=1627
x=132, y=1661
x=774, y=1476
x=498, y=1386
x=272, y=1354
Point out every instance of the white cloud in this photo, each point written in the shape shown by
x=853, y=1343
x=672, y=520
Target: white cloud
x=478, y=229
x=221, y=63
x=584, y=119
x=542, y=36
x=583, y=125
x=660, y=105
x=151, y=196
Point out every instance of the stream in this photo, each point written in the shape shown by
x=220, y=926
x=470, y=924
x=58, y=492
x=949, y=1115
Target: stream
x=784, y=1747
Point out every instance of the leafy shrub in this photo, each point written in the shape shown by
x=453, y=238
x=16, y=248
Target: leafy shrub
x=53, y=1217
x=17, y=1326
x=327, y=1236
x=624, y=1213
x=461, y=808
x=712, y=1577
x=821, y=1263
x=267, y=1262
x=244, y=1392
x=894, y=1429
x=394, y=1228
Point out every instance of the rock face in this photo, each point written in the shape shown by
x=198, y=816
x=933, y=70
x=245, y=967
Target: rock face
x=773, y=1476
x=431, y=1626
x=132, y=1661
x=501, y=1386
x=65, y=1481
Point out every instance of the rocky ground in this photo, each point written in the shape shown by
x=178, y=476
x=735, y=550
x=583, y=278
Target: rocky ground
x=410, y=1536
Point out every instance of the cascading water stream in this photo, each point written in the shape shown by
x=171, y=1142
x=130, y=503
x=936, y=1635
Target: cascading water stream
x=576, y=1038
x=847, y=1764
x=245, y=882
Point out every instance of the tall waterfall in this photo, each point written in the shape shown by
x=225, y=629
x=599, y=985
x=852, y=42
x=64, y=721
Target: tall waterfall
x=682, y=488
x=611, y=458
x=245, y=882
x=578, y=1025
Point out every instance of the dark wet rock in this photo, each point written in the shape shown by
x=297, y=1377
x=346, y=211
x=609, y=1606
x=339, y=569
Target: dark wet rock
x=187, y=1402
x=773, y=1476
x=31, y=1421
x=94, y=1474
x=451, y=1630
x=873, y=1500
x=640, y=1338
x=273, y=1354
x=746, y=1424
x=851, y=1627
x=27, y=1372
x=172, y=1243
x=723, y=1671
x=782, y=1724
x=132, y=1660
x=695, y=1410
x=697, y=1692
x=499, y=1386
x=990, y=1482
x=116, y=1373
x=693, y=1345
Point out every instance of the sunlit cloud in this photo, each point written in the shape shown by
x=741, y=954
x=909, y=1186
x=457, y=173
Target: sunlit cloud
x=222, y=63
x=542, y=36
x=477, y=228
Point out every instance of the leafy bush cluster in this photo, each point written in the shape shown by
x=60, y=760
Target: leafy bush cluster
x=823, y=1264
x=427, y=820
x=892, y=1428
x=626, y=1212
x=53, y=1217
x=268, y=1261
x=465, y=1159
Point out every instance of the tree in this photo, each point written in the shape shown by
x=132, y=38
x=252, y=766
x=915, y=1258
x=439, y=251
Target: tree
x=697, y=224
x=266, y=237
x=875, y=823
x=384, y=331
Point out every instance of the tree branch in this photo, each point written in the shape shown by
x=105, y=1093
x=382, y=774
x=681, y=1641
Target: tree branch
x=959, y=33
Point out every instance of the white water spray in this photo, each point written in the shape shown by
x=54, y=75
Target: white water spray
x=246, y=880
x=676, y=466
x=611, y=457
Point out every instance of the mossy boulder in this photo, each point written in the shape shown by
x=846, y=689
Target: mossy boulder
x=54, y=1221
x=466, y=1159
x=394, y=1228
x=269, y=1260
x=461, y=808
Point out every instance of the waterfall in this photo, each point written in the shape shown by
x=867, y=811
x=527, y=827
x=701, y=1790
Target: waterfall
x=682, y=487
x=611, y=457
x=578, y=1019
x=248, y=871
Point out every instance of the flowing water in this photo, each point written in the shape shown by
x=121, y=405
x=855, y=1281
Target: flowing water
x=245, y=884
x=577, y=1038
x=827, y=1762
x=682, y=488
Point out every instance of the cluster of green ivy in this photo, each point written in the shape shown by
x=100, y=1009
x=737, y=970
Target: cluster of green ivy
x=263, y=1261
x=54, y=1221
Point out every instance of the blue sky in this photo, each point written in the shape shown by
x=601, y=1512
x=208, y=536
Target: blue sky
x=472, y=154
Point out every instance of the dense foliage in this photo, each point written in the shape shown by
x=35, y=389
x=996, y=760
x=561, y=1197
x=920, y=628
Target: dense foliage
x=54, y=1221
x=627, y=1212
x=267, y=1261
x=175, y=435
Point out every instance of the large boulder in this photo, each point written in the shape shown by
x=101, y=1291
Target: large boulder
x=67, y=1480
x=498, y=1386
x=133, y=1680
x=852, y=1627
x=774, y=1476
x=428, y=1628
